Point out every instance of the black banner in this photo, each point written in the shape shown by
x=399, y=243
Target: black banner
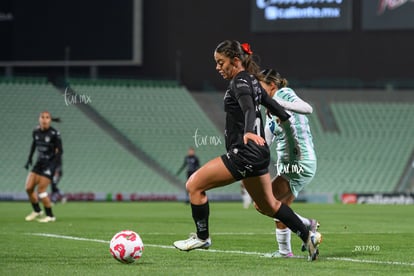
x=301, y=15
x=387, y=14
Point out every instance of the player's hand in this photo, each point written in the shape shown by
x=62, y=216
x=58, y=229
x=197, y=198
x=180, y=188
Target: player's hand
x=255, y=138
x=28, y=164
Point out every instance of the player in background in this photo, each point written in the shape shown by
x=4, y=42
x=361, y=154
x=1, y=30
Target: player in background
x=56, y=193
x=246, y=198
x=192, y=163
x=47, y=141
x=296, y=158
x=247, y=156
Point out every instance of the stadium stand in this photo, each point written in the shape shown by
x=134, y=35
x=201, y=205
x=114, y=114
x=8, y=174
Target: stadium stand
x=367, y=153
x=93, y=161
x=370, y=151
x=370, y=147
x=162, y=120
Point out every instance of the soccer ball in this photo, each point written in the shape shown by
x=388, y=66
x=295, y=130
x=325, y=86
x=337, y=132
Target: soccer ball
x=126, y=246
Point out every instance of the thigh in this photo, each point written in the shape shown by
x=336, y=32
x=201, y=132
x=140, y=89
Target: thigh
x=43, y=183
x=31, y=181
x=212, y=175
x=260, y=189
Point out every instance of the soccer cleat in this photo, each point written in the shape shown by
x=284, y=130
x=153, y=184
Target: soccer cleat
x=33, y=215
x=313, y=227
x=277, y=254
x=47, y=219
x=193, y=242
x=312, y=245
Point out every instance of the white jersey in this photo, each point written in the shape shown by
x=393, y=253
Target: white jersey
x=293, y=137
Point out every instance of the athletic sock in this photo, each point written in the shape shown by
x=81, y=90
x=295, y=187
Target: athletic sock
x=288, y=217
x=36, y=207
x=48, y=212
x=200, y=216
x=283, y=240
x=305, y=221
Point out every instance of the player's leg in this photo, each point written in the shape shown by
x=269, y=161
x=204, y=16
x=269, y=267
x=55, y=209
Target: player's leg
x=44, y=197
x=282, y=192
x=55, y=190
x=247, y=200
x=57, y=195
x=260, y=189
x=213, y=174
x=31, y=181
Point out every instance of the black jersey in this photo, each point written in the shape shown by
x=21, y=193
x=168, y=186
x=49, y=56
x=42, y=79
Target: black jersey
x=242, y=106
x=48, y=145
x=192, y=163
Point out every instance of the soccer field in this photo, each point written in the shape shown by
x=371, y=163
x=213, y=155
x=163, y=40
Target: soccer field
x=358, y=239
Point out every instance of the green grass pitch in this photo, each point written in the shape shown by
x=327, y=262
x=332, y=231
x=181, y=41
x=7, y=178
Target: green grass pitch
x=358, y=239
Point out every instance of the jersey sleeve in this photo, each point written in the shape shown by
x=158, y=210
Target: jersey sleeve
x=243, y=93
x=290, y=101
x=274, y=107
x=32, y=147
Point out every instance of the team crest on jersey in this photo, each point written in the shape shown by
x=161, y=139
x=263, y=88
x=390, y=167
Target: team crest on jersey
x=47, y=139
x=36, y=137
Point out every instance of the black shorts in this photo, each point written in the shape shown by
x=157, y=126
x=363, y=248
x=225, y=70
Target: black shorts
x=247, y=161
x=46, y=169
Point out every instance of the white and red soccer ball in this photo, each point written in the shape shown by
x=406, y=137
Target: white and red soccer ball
x=126, y=246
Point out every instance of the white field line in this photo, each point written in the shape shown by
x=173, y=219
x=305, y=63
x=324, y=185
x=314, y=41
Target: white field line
x=272, y=233
x=226, y=251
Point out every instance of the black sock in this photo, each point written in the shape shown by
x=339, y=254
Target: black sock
x=48, y=212
x=291, y=220
x=200, y=216
x=36, y=207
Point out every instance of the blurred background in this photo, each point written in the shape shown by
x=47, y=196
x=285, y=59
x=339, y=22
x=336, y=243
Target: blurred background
x=135, y=85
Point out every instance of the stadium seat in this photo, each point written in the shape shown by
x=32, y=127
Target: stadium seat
x=92, y=161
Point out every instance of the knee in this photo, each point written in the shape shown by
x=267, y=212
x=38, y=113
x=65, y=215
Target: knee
x=43, y=195
x=264, y=210
x=29, y=188
x=267, y=209
x=191, y=185
x=257, y=208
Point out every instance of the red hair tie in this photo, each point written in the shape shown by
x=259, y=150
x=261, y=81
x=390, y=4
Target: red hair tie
x=246, y=48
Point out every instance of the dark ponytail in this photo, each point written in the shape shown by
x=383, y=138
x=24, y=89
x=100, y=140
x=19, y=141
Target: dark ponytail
x=270, y=75
x=233, y=49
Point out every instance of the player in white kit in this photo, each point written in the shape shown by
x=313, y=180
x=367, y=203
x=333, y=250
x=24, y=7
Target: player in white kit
x=296, y=158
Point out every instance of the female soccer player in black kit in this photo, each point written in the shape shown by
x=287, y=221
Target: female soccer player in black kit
x=247, y=156
x=47, y=141
x=192, y=163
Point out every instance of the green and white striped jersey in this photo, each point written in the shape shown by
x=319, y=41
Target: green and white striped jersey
x=293, y=137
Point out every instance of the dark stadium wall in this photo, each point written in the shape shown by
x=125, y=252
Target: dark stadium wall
x=195, y=27
x=179, y=37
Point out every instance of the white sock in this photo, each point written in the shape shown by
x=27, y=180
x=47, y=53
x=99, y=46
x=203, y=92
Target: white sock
x=283, y=240
x=305, y=221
